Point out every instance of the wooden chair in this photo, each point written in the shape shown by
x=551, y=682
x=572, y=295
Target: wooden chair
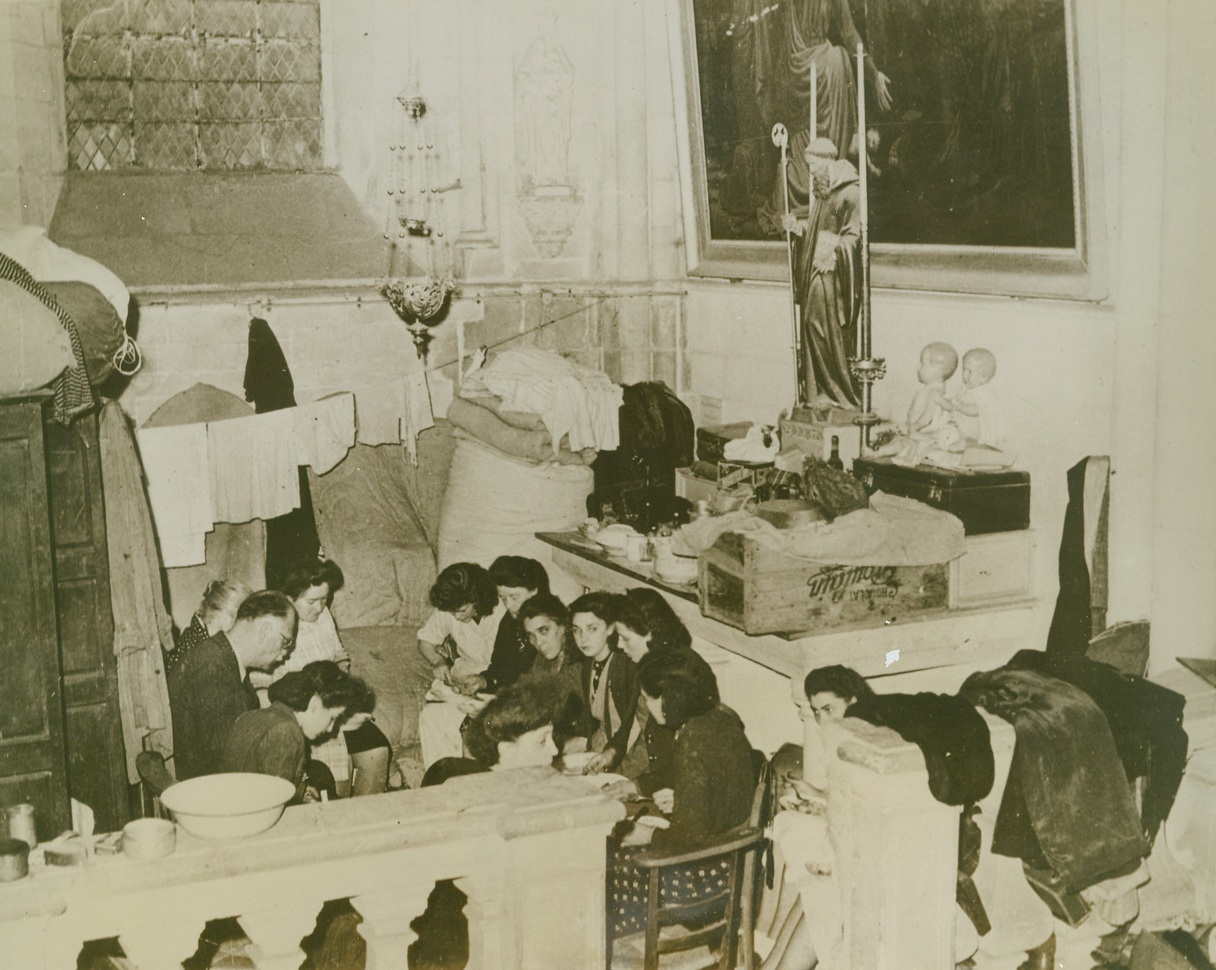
x=740, y=850
x=154, y=778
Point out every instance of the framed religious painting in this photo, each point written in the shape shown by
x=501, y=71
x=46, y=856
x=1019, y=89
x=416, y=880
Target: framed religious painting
x=981, y=169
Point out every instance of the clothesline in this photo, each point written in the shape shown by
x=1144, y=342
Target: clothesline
x=548, y=323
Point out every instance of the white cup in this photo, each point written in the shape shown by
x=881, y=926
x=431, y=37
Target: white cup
x=635, y=548
x=149, y=838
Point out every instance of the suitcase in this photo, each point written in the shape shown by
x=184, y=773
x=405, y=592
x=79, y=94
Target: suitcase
x=985, y=501
x=712, y=439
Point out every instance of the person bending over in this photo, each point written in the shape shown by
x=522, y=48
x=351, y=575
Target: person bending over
x=210, y=688
x=304, y=706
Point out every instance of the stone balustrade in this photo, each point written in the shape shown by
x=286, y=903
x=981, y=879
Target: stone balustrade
x=526, y=846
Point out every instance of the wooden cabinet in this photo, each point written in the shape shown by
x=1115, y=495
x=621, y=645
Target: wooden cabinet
x=60, y=726
x=96, y=759
x=33, y=745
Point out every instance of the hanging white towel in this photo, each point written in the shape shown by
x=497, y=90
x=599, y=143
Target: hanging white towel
x=324, y=431
x=380, y=409
x=254, y=473
x=418, y=413
x=176, y=466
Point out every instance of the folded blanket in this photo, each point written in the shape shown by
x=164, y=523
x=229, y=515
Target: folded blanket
x=893, y=531
x=489, y=428
x=526, y=420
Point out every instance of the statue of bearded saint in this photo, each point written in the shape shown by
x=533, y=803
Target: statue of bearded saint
x=827, y=275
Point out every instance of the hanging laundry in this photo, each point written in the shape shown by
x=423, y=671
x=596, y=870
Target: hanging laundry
x=324, y=431
x=418, y=413
x=269, y=385
x=380, y=409
x=254, y=474
x=177, y=468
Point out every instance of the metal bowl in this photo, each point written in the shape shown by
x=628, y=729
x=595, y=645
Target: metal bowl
x=228, y=806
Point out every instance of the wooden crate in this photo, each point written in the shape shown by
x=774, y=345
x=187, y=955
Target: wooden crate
x=759, y=591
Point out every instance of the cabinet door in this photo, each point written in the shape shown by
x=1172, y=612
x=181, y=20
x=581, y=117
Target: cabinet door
x=33, y=759
x=96, y=759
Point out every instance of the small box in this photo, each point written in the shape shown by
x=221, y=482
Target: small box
x=711, y=440
x=985, y=501
x=814, y=438
x=747, y=586
x=997, y=568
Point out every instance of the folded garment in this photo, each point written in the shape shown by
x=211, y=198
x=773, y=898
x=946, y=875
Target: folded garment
x=534, y=446
x=526, y=420
x=571, y=400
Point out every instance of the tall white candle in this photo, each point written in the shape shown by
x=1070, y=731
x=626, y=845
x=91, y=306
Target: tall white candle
x=863, y=328
x=814, y=133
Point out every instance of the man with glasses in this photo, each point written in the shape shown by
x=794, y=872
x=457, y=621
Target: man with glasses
x=210, y=689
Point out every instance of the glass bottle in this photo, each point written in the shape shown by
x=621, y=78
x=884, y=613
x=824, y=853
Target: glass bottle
x=834, y=457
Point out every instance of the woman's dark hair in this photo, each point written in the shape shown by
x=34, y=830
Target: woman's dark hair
x=463, y=583
x=604, y=605
x=525, y=706
x=844, y=682
x=265, y=602
x=682, y=680
x=519, y=572
x=545, y=604
x=303, y=574
x=322, y=678
x=647, y=613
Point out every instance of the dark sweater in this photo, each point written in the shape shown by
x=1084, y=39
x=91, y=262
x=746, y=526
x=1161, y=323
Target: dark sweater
x=206, y=695
x=512, y=656
x=268, y=741
x=713, y=780
x=622, y=692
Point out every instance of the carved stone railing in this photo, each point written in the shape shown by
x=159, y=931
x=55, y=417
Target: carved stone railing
x=896, y=851
x=527, y=848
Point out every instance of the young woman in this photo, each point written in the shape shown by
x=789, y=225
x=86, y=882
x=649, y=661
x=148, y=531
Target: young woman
x=516, y=579
x=645, y=623
x=359, y=756
x=304, y=705
x=457, y=640
x=832, y=690
x=546, y=622
x=713, y=782
x=216, y=614
x=610, y=686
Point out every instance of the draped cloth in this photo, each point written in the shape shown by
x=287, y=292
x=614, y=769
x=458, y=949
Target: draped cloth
x=1067, y=802
x=268, y=384
x=73, y=392
x=142, y=628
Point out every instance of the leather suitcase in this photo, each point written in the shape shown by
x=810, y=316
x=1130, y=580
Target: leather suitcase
x=712, y=439
x=985, y=501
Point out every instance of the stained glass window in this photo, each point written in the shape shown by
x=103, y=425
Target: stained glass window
x=193, y=85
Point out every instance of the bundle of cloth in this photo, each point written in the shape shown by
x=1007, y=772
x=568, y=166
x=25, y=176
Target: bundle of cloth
x=538, y=406
x=90, y=302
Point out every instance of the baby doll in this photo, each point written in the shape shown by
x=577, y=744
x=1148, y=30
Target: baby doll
x=974, y=409
x=928, y=414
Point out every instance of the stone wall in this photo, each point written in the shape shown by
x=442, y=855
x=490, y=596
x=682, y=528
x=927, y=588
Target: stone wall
x=33, y=150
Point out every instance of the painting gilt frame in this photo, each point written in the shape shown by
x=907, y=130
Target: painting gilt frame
x=994, y=247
